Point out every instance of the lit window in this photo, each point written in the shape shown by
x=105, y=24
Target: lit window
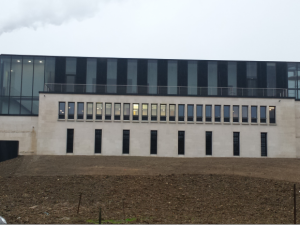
x=144, y=111
x=163, y=109
x=172, y=109
x=117, y=111
x=135, y=112
x=107, y=111
x=99, y=111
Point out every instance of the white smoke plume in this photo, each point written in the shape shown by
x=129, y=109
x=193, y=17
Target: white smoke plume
x=16, y=14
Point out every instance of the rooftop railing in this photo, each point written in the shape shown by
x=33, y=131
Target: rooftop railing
x=164, y=90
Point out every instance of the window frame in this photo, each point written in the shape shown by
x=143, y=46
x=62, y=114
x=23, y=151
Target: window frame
x=218, y=119
x=123, y=146
x=172, y=118
x=199, y=119
x=163, y=118
x=89, y=116
x=208, y=146
x=190, y=118
x=181, y=151
x=236, y=145
x=70, y=141
x=271, y=119
x=135, y=117
x=126, y=117
x=70, y=116
x=145, y=118
x=117, y=117
x=61, y=116
x=98, y=150
x=263, y=120
x=154, y=118
x=153, y=149
x=254, y=119
x=208, y=119
x=264, y=152
x=245, y=119
x=99, y=116
x=80, y=116
x=108, y=116
x=234, y=118
x=226, y=119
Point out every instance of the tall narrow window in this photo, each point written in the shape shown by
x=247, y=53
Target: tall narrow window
x=145, y=112
x=199, y=113
x=15, y=77
x=226, y=113
x=208, y=146
x=153, y=112
x=98, y=140
x=192, y=78
x=253, y=114
x=126, y=140
x=292, y=79
x=217, y=113
x=117, y=111
x=70, y=73
x=163, y=109
x=272, y=114
x=126, y=111
x=132, y=76
x=5, y=73
x=180, y=142
x=153, y=142
x=80, y=110
x=263, y=138
x=251, y=78
x=181, y=112
x=271, y=79
x=107, y=111
x=27, y=77
x=236, y=113
x=172, y=109
x=112, y=75
x=212, y=78
x=152, y=76
x=50, y=70
x=208, y=113
x=263, y=114
x=70, y=140
x=62, y=109
x=71, y=110
x=236, y=143
x=89, y=111
x=99, y=108
x=190, y=112
x=232, y=78
x=39, y=75
x=245, y=114
x=135, y=112
x=172, y=77
x=91, y=75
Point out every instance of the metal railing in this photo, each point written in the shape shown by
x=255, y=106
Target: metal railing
x=165, y=90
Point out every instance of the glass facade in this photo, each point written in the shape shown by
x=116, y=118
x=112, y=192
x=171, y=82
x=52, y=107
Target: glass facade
x=23, y=77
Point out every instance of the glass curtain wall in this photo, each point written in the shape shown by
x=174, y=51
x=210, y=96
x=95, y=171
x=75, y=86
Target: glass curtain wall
x=70, y=73
x=132, y=76
x=251, y=78
x=91, y=75
x=232, y=78
x=50, y=72
x=172, y=77
x=192, y=77
x=152, y=76
x=212, y=78
x=293, y=79
x=271, y=79
x=112, y=75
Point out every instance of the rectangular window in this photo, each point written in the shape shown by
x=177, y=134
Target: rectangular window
x=62, y=109
x=217, y=113
x=263, y=138
x=163, y=109
x=236, y=143
x=226, y=113
x=245, y=114
x=272, y=114
x=212, y=79
x=126, y=138
x=99, y=107
x=199, y=113
x=117, y=111
x=208, y=146
x=190, y=112
x=107, y=111
x=98, y=140
x=208, y=113
x=153, y=142
x=172, y=77
x=153, y=112
x=253, y=114
x=192, y=77
x=89, y=111
x=145, y=112
x=172, y=110
x=126, y=111
x=131, y=76
x=71, y=110
x=236, y=113
x=263, y=114
x=70, y=140
x=180, y=142
x=135, y=111
x=80, y=110
x=152, y=76
x=180, y=112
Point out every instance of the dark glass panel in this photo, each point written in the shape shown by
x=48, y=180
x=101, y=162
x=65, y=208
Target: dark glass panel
x=132, y=76
x=163, y=112
x=264, y=151
x=181, y=112
x=99, y=108
x=272, y=114
x=80, y=110
x=222, y=77
x=142, y=76
x=212, y=78
x=153, y=112
x=71, y=110
x=242, y=74
x=172, y=110
x=27, y=76
x=217, y=113
x=263, y=115
x=126, y=141
x=251, y=78
x=236, y=113
x=70, y=140
x=180, y=142
x=126, y=111
x=192, y=77
x=35, y=106
x=245, y=114
x=98, y=140
x=232, y=78
x=202, y=77
x=236, y=143
x=122, y=76
x=26, y=104
x=117, y=111
x=91, y=75
x=14, y=105
x=226, y=113
x=199, y=112
x=208, y=113
x=253, y=114
x=162, y=76
x=112, y=75
x=5, y=75
x=172, y=77
x=108, y=111
x=190, y=112
x=71, y=66
x=152, y=76
x=292, y=79
x=89, y=110
x=16, y=75
x=182, y=77
x=62, y=110
x=153, y=142
x=38, y=77
x=4, y=101
x=144, y=111
x=50, y=70
x=60, y=70
x=271, y=78
x=81, y=66
x=208, y=144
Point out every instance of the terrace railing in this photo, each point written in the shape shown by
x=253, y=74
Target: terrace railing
x=165, y=90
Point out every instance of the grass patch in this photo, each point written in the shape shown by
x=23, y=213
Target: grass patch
x=111, y=221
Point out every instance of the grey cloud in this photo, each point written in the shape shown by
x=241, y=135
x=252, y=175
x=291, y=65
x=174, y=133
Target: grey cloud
x=16, y=14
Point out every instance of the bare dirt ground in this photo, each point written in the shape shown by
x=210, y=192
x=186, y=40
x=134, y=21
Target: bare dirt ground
x=45, y=189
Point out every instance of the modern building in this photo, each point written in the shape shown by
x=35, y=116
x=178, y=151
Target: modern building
x=149, y=107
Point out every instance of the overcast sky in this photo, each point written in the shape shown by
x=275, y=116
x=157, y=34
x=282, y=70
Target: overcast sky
x=174, y=29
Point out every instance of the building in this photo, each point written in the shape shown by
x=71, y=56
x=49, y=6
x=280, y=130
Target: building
x=150, y=107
